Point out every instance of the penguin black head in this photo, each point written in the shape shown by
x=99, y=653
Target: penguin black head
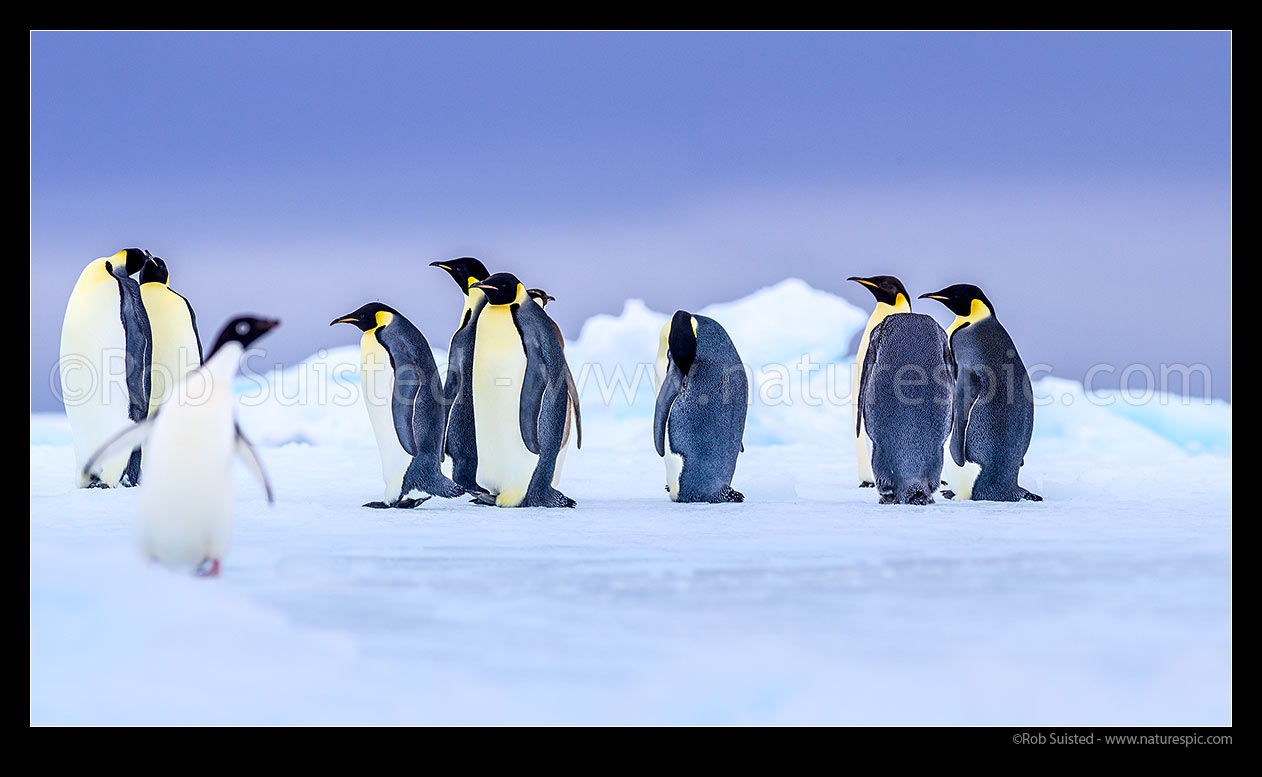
x=885, y=288
x=155, y=271
x=129, y=261
x=541, y=296
x=366, y=317
x=502, y=288
x=682, y=343
x=465, y=271
x=959, y=298
x=244, y=330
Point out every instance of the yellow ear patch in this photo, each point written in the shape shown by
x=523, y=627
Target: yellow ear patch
x=694, y=327
x=977, y=311
x=383, y=318
x=470, y=281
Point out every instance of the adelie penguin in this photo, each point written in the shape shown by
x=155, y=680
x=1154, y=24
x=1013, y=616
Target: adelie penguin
x=186, y=504
x=520, y=397
x=106, y=350
x=891, y=298
x=177, y=348
x=573, y=417
x=404, y=396
x=699, y=420
x=906, y=388
x=460, y=437
x=994, y=402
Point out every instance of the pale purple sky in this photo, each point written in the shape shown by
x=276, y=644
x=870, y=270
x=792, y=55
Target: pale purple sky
x=1082, y=180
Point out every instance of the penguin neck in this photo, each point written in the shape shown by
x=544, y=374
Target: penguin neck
x=977, y=312
x=96, y=272
x=471, y=298
x=882, y=311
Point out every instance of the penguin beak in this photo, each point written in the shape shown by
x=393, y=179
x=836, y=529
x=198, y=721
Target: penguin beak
x=343, y=320
x=440, y=266
x=934, y=295
x=484, y=285
x=864, y=281
x=268, y=324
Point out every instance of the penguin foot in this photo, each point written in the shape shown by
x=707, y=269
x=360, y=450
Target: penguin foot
x=888, y=499
x=408, y=503
x=377, y=505
x=96, y=483
x=1030, y=495
x=867, y=484
x=208, y=568
x=947, y=494
x=919, y=498
x=482, y=498
x=730, y=494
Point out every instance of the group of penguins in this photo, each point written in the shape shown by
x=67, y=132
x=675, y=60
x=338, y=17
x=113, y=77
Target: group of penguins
x=507, y=406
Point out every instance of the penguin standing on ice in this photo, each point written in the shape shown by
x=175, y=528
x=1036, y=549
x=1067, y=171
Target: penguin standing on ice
x=177, y=348
x=906, y=387
x=699, y=420
x=994, y=401
x=186, y=505
x=403, y=393
x=520, y=397
x=891, y=298
x=573, y=418
x=459, y=436
x=106, y=349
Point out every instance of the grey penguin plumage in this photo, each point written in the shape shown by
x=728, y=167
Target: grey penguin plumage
x=177, y=346
x=520, y=397
x=699, y=419
x=906, y=387
x=459, y=432
x=573, y=415
x=891, y=297
x=105, y=320
x=403, y=392
x=994, y=401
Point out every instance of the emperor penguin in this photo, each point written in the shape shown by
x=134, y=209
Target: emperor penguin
x=106, y=349
x=891, y=298
x=520, y=397
x=994, y=401
x=699, y=420
x=459, y=435
x=403, y=392
x=573, y=418
x=186, y=504
x=906, y=386
x=177, y=347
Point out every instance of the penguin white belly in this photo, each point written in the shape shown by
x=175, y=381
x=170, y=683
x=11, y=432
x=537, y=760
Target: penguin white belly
x=174, y=342
x=377, y=380
x=93, y=370
x=505, y=464
x=959, y=479
x=186, y=503
x=674, y=466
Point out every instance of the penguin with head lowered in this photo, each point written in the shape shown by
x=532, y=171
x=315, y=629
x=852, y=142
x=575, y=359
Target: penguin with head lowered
x=891, y=298
x=106, y=349
x=520, y=397
x=186, y=504
x=459, y=436
x=906, y=389
x=573, y=417
x=699, y=420
x=177, y=348
x=404, y=396
x=994, y=401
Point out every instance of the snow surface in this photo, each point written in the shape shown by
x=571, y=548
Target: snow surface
x=1109, y=603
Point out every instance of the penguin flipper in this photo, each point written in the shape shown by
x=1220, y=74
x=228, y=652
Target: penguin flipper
x=578, y=416
x=128, y=438
x=967, y=389
x=251, y=458
x=671, y=386
x=192, y=319
x=873, y=341
x=534, y=383
x=403, y=399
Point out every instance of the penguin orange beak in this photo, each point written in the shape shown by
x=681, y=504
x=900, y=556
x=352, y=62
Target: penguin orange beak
x=864, y=281
x=440, y=266
x=484, y=285
x=343, y=320
x=933, y=296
